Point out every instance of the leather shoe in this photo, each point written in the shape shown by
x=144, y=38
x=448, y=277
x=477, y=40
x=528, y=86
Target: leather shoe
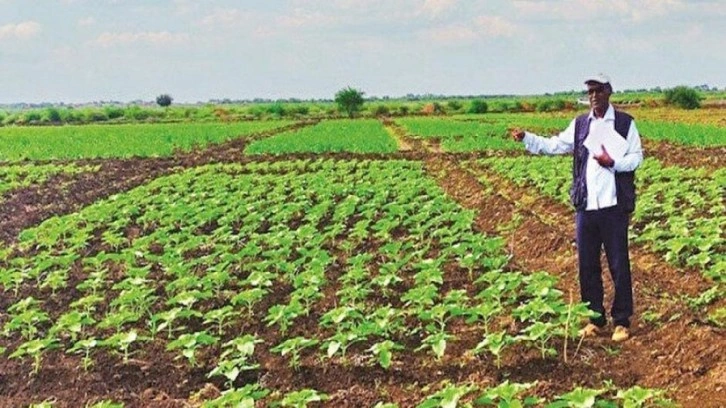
x=621, y=333
x=591, y=330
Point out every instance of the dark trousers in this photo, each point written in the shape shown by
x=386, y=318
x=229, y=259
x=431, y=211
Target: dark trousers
x=609, y=228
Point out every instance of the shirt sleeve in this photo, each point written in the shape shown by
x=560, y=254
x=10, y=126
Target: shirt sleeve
x=560, y=144
x=634, y=155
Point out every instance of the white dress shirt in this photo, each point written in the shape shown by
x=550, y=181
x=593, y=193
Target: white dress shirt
x=600, y=180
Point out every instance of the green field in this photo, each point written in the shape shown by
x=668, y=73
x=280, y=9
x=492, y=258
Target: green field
x=360, y=276
x=359, y=136
x=91, y=141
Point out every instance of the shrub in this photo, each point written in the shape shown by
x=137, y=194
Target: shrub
x=683, y=97
x=276, y=109
x=11, y=119
x=550, y=105
x=52, y=115
x=32, y=116
x=403, y=110
x=382, y=110
x=478, y=106
x=454, y=105
x=94, y=115
x=114, y=112
x=135, y=112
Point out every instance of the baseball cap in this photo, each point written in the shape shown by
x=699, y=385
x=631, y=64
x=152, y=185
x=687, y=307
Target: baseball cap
x=599, y=78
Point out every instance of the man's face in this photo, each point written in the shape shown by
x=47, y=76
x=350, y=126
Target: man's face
x=599, y=96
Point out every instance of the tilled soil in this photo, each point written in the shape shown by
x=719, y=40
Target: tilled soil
x=677, y=351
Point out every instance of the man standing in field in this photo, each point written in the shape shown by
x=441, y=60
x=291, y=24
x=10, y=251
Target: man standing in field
x=607, y=150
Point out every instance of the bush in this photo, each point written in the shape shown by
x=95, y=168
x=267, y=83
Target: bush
x=683, y=97
x=381, y=110
x=403, y=110
x=94, y=115
x=135, y=112
x=550, y=105
x=478, y=106
x=114, y=112
x=31, y=117
x=454, y=105
x=276, y=109
x=52, y=115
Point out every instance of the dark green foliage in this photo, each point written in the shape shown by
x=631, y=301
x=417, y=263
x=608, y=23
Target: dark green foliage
x=134, y=112
x=93, y=115
x=550, y=105
x=114, y=112
x=478, y=106
x=350, y=100
x=454, y=105
x=164, y=100
x=52, y=115
x=381, y=110
x=276, y=109
x=683, y=97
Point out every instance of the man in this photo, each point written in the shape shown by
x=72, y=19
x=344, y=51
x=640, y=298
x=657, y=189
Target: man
x=603, y=193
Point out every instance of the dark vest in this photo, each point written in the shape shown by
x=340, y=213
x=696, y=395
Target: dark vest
x=624, y=181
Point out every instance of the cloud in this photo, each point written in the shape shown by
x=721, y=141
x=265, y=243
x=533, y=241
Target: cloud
x=21, y=31
x=436, y=7
x=154, y=38
x=229, y=17
x=87, y=21
x=481, y=28
x=300, y=19
x=495, y=26
x=580, y=10
x=453, y=34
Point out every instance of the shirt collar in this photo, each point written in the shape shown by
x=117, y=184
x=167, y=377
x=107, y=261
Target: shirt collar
x=609, y=114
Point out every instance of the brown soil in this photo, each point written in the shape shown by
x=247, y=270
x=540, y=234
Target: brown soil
x=677, y=351
x=670, y=154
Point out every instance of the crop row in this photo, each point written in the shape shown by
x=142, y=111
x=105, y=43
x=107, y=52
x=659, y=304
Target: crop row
x=680, y=212
x=357, y=136
x=448, y=395
x=19, y=176
x=365, y=258
x=89, y=141
x=460, y=136
x=692, y=134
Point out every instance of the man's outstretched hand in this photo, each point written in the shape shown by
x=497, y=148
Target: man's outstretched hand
x=604, y=158
x=517, y=134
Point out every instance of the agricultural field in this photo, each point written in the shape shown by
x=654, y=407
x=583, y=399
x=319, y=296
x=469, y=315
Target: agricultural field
x=92, y=141
x=413, y=262
x=355, y=136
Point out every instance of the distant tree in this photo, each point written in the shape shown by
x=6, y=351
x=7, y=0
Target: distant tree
x=164, y=100
x=478, y=106
x=349, y=100
x=683, y=97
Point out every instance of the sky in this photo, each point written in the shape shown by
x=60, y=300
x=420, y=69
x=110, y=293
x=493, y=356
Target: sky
x=78, y=51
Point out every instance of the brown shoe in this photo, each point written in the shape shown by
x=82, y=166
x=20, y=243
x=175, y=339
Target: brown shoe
x=591, y=330
x=621, y=333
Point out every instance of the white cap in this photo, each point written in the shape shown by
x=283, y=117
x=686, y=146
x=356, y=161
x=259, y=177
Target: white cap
x=599, y=78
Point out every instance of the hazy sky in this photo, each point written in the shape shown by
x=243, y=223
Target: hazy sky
x=195, y=50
